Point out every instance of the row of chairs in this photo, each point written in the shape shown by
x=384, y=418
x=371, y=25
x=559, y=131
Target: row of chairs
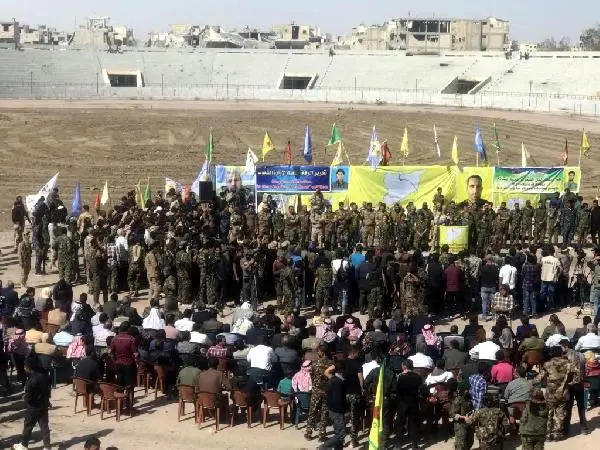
x=241, y=401
x=109, y=393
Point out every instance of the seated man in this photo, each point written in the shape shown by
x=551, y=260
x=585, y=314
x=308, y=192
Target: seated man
x=185, y=323
x=454, y=336
x=188, y=375
x=485, y=351
x=531, y=341
x=591, y=341
x=439, y=374
x=502, y=371
x=518, y=390
x=521, y=329
x=454, y=358
x=89, y=367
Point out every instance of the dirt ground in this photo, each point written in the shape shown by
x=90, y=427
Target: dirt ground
x=123, y=142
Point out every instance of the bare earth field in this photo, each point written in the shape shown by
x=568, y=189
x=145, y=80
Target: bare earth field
x=123, y=142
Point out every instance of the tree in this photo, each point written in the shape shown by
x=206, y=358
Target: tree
x=590, y=39
x=564, y=45
x=548, y=45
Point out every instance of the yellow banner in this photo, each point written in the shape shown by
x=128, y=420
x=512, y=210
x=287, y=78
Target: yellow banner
x=455, y=237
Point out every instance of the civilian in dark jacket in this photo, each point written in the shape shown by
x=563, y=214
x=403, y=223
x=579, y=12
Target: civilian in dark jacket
x=453, y=357
x=453, y=279
x=435, y=284
x=37, y=402
x=595, y=221
x=336, y=405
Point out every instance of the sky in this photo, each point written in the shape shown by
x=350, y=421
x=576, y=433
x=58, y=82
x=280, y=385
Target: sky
x=530, y=20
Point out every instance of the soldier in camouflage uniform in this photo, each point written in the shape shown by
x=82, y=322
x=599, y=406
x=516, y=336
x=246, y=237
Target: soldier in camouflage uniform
x=201, y=259
x=501, y=225
x=328, y=224
x=423, y=219
x=287, y=282
x=303, y=225
x=183, y=263
x=527, y=222
x=316, y=232
x=355, y=224
x=317, y=412
x=539, y=223
x=250, y=222
x=65, y=250
x=552, y=223
x=484, y=229
x=317, y=201
x=410, y=222
x=212, y=281
x=438, y=198
x=568, y=218
x=170, y=290
x=413, y=292
x=557, y=375
x=514, y=224
x=292, y=225
x=379, y=224
x=375, y=295
x=489, y=424
x=264, y=224
x=343, y=219
x=582, y=228
x=278, y=225
x=136, y=267
x=24, y=251
x=368, y=223
x=99, y=274
x=236, y=225
x=462, y=406
x=323, y=280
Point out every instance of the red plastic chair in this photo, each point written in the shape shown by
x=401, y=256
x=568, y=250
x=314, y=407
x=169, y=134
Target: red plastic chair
x=272, y=400
x=187, y=394
x=211, y=402
x=84, y=388
x=110, y=394
x=241, y=400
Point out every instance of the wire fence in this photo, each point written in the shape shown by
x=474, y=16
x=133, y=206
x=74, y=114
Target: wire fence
x=520, y=101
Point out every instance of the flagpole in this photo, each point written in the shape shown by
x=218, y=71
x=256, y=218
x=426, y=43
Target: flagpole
x=498, y=157
x=581, y=147
x=477, y=159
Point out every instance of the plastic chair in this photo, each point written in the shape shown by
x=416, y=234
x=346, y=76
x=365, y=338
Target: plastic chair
x=110, y=394
x=272, y=400
x=161, y=379
x=302, y=405
x=209, y=401
x=52, y=329
x=241, y=400
x=224, y=365
x=84, y=388
x=143, y=376
x=187, y=394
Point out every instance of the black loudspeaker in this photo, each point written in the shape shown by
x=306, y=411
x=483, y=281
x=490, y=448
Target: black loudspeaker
x=206, y=194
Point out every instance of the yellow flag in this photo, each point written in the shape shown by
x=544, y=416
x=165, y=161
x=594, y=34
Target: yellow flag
x=455, y=150
x=525, y=155
x=337, y=159
x=105, y=198
x=404, y=144
x=267, y=145
x=585, y=144
x=376, y=432
x=139, y=195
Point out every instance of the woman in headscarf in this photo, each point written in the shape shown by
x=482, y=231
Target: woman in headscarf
x=153, y=321
x=302, y=380
x=554, y=327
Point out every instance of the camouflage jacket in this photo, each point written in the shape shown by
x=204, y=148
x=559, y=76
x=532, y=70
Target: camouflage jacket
x=488, y=423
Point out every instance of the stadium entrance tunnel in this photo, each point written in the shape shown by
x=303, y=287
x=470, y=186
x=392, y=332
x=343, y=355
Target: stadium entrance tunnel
x=461, y=85
x=299, y=81
x=123, y=78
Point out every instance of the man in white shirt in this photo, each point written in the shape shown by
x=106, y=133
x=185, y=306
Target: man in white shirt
x=261, y=357
x=421, y=361
x=484, y=351
x=508, y=274
x=367, y=368
x=185, y=323
x=550, y=273
x=199, y=338
x=554, y=340
x=101, y=332
x=590, y=341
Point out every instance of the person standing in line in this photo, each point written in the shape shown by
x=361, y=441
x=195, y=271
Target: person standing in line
x=336, y=405
x=37, y=403
x=549, y=276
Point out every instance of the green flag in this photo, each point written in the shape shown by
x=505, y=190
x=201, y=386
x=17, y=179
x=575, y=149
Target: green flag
x=148, y=192
x=335, y=136
x=496, y=143
x=210, y=146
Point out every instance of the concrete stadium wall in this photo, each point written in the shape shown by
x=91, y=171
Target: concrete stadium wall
x=346, y=78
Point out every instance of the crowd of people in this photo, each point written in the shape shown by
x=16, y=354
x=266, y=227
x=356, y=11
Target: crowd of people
x=195, y=258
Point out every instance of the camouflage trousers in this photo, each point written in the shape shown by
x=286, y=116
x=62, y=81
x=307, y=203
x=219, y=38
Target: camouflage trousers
x=368, y=236
x=287, y=301
x=25, y=269
x=317, y=414
x=533, y=442
x=463, y=436
x=539, y=234
x=134, y=278
x=65, y=269
x=557, y=413
x=354, y=404
x=375, y=301
x=184, y=291
x=317, y=236
x=322, y=297
x=494, y=446
x=18, y=237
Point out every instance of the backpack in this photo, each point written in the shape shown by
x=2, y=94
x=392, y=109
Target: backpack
x=342, y=274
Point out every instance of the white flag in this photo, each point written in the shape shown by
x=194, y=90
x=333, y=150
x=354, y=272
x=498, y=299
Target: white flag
x=436, y=142
x=172, y=184
x=31, y=200
x=104, y=199
x=524, y=155
x=251, y=160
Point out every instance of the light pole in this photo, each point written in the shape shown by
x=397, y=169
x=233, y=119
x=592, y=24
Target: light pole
x=530, y=89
